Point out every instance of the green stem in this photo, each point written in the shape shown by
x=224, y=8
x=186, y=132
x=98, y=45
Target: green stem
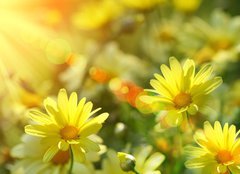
x=134, y=170
x=71, y=162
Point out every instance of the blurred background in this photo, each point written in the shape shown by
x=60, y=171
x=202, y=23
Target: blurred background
x=107, y=51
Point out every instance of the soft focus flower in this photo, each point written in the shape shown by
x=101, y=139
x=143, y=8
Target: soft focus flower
x=95, y=15
x=161, y=40
x=148, y=162
x=111, y=163
x=30, y=153
x=66, y=124
x=141, y=4
x=181, y=90
x=219, y=151
x=214, y=40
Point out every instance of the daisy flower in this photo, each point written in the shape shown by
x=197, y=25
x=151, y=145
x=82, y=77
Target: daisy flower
x=66, y=125
x=181, y=90
x=219, y=151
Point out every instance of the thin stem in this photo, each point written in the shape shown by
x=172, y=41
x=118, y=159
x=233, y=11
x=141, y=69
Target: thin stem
x=134, y=170
x=71, y=162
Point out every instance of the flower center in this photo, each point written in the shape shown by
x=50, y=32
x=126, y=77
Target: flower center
x=224, y=156
x=166, y=34
x=69, y=132
x=62, y=157
x=182, y=100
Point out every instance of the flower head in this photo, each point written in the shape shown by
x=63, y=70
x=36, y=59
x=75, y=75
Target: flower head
x=181, y=90
x=66, y=124
x=219, y=151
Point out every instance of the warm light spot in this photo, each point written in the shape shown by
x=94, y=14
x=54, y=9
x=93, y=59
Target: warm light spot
x=124, y=90
x=99, y=75
x=115, y=84
x=221, y=44
x=71, y=60
x=69, y=132
x=224, y=156
x=182, y=100
x=58, y=51
x=62, y=157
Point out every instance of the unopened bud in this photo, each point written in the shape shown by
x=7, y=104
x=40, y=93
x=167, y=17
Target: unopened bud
x=127, y=161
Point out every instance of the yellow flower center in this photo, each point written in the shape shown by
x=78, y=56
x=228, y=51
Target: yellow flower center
x=69, y=132
x=182, y=100
x=166, y=34
x=62, y=157
x=224, y=156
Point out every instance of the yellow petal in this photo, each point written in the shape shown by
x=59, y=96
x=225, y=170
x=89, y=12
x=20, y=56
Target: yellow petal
x=78, y=153
x=63, y=103
x=161, y=88
x=204, y=74
x=176, y=68
x=72, y=106
x=151, y=99
x=169, y=76
x=49, y=154
x=39, y=117
x=200, y=162
x=174, y=118
x=98, y=119
x=154, y=161
x=222, y=168
x=42, y=131
x=88, y=145
x=85, y=113
x=63, y=145
x=52, y=110
x=192, y=109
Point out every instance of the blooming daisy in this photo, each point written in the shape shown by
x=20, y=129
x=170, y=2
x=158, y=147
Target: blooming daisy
x=180, y=90
x=219, y=151
x=66, y=125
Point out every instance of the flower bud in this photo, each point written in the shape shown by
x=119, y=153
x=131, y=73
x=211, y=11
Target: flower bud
x=127, y=161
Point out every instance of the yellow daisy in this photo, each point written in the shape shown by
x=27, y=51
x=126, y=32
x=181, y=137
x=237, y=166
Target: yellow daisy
x=66, y=124
x=219, y=151
x=180, y=90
